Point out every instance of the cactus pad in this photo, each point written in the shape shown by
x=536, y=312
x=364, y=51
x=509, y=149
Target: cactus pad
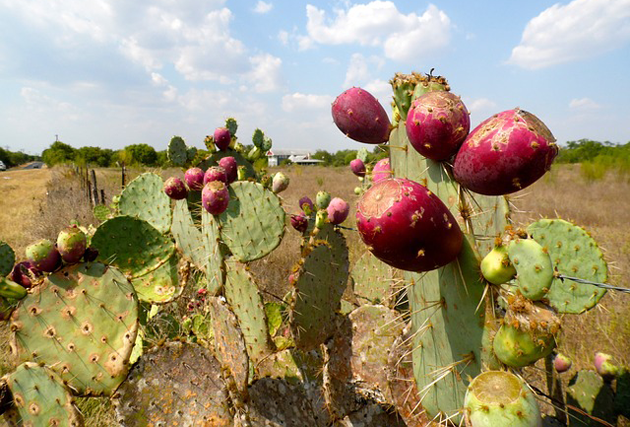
x=160, y=285
x=82, y=322
x=533, y=267
x=175, y=384
x=177, y=152
x=131, y=244
x=253, y=224
x=41, y=398
x=215, y=270
x=229, y=344
x=321, y=280
x=374, y=281
x=588, y=392
x=573, y=253
x=144, y=198
x=242, y=294
x=7, y=259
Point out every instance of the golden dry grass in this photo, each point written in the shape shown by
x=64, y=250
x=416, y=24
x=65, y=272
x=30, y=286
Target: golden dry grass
x=602, y=207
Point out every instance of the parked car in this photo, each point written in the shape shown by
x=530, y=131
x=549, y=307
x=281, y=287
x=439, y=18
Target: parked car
x=3, y=167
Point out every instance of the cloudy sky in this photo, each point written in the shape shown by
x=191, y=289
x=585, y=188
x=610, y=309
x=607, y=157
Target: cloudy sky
x=110, y=73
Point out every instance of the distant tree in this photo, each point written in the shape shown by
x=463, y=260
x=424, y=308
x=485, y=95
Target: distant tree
x=94, y=156
x=162, y=158
x=323, y=155
x=58, y=153
x=142, y=154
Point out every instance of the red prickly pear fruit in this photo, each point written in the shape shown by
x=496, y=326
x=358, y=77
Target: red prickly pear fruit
x=562, y=363
x=358, y=167
x=338, y=210
x=43, y=255
x=222, y=138
x=408, y=227
x=605, y=366
x=215, y=197
x=437, y=124
x=194, y=179
x=215, y=173
x=71, y=244
x=299, y=222
x=175, y=188
x=231, y=168
x=24, y=273
x=279, y=183
x=505, y=153
x=382, y=170
x=306, y=204
x=361, y=117
x=90, y=254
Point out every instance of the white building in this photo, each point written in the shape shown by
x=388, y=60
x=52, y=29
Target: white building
x=297, y=156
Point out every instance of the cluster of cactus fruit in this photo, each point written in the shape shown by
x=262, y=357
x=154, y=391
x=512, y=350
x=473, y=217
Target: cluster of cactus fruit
x=447, y=304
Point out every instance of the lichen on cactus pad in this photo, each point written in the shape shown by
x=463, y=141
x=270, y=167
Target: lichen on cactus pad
x=573, y=253
x=41, y=398
x=82, y=322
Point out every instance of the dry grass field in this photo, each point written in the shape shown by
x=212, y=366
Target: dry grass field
x=38, y=203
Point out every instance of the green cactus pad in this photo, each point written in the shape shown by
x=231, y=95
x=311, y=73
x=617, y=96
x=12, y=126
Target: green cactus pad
x=242, y=294
x=175, y=384
x=102, y=212
x=498, y=398
x=229, y=343
x=320, y=281
x=253, y=224
x=133, y=245
x=590, y=394
x=374, y=281
x=177, y=152
x=622, y=395
x=573, y=253
x=160, y=285
x=82, y=322
x=374, y=415
x=533, y=268
x=277, y=402
x=144, y=198
x=41, y=398
x=213, y=160
x=7, y=258
x=214, y=253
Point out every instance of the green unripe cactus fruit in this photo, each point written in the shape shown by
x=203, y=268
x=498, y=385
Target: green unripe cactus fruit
x=496, y=267
x=322, y=200
x=320, y=218
x=533, y=267
x=10, y=289
x=500, y=399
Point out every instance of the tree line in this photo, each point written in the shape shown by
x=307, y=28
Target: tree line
x=15, y=158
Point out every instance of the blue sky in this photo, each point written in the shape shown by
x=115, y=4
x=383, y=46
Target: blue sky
x=110, y=73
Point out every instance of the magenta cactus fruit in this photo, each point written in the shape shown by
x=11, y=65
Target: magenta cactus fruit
x=382, y=170
x=299, y=222
x=505, y=153
x=24, y=273
x=231, y=168
x=222, y=138
x=175, y=188
x=215, y=197
x=338, y=210
x=605, y=367
x=71, y=244
x=215, y=173
x=357, y=167
x=306, y=204
x=361, y=117
x=43, y=255
x=562, y=363
x=408, y=227
x=437, y=124
x=194, y=179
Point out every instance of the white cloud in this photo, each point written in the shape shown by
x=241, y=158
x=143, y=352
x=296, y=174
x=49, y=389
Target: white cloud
x=265, y=73
x=158, y=79
x=283, y=36
x=262, y=7
x=479, y=105
x=578, y=30
x=300, y=101
x=361, y=69
x=584, y=104
x=403, y=37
